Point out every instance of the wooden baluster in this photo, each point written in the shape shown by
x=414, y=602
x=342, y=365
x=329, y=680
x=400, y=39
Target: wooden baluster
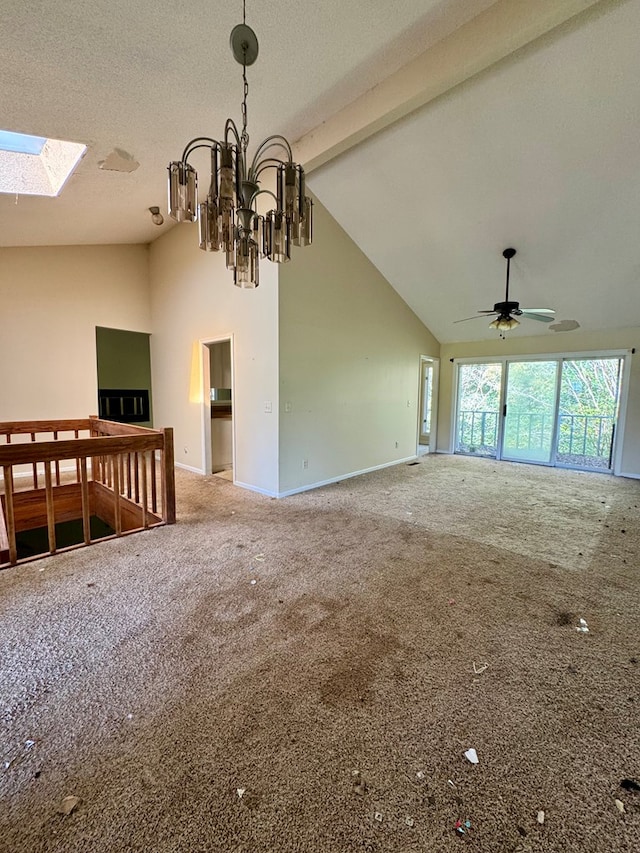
x=11, y=521
x=129, y=476
x=86, y=509
x=35, y=466
x=51, y=519
x=136, y=477
x=116, y=496
x=57, y=462
x=121, y=473
x=95, y=468
x=78, y=477
x=154, y=485
x=168, y=478
x=145, y=513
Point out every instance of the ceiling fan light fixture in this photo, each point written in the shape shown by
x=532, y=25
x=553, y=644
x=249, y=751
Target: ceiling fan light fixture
x=504, y=324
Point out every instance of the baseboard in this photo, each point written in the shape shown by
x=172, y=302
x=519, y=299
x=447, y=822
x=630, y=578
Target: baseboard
x=257, y=489
x=188, y=468
x=631, y=476
x=345, y=477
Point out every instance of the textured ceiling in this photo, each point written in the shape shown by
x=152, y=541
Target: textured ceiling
x=539, y=151
x=146, y=77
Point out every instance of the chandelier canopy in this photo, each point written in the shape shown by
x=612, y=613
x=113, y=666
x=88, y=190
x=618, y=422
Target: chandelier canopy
x=229, y=219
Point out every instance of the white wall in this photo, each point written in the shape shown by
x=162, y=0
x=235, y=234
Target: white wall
x=193, y=299
x=349, y=362
x=549, y=343
x=51, y=300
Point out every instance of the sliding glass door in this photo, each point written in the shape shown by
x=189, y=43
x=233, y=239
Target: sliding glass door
x=587, y=413
x=478, y=411
x=553, y=411
x=530, y=411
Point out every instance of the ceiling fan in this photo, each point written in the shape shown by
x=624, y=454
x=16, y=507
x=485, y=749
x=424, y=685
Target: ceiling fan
x=506, y=312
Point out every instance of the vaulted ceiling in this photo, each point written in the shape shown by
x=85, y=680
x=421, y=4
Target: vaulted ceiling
x=519, y=130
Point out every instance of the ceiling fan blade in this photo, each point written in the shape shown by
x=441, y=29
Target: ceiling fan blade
x=482, y=316
x=538, y=310
x=544, y=318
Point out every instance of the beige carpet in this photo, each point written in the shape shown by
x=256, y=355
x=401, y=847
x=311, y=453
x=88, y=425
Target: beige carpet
x=155, y=679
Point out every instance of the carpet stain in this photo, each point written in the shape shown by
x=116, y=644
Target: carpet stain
x=352, y=680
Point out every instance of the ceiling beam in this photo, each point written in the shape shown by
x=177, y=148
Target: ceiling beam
x=499, y=31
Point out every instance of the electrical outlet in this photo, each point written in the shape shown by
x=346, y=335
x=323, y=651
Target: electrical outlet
x=305, y=463
x=268, y=407
x=287, y=406
x=396, y=445
x=186, y=450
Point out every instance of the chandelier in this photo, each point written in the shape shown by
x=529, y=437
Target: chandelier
x=228, y=219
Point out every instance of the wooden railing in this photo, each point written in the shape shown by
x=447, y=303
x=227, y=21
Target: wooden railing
x=121, y=473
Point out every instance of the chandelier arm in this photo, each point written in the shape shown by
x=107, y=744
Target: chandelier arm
x=268, y=163
x=275, y=141
x=190, y=147
x=230, y=125
x=259, y=192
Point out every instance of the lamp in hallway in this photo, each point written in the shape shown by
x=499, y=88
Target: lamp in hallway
x=229, y=220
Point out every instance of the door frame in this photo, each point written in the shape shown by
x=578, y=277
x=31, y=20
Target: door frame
x=504, y=414
x=435, y=381
x=205, y=373
x=623, y=354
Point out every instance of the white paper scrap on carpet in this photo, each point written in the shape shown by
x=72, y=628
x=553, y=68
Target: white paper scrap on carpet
x=472, y=756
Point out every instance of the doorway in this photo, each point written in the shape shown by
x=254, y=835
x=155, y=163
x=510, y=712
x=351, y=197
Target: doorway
x=124, y=376
x=428, y=404
x=559, y=411
x=218, y=399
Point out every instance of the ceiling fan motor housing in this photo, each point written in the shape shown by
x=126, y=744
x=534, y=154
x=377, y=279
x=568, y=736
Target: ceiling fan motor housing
x=507, y=308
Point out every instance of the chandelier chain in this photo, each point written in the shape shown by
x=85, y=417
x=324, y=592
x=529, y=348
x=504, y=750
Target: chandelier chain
x=244, y=137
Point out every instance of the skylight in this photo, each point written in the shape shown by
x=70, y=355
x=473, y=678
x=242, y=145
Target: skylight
x=34, y=165
x=21, y=143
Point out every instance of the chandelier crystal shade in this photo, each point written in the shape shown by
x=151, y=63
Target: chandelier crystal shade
x=228, y=218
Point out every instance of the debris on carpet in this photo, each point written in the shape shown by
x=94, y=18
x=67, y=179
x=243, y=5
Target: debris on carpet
x=68, y=804
x=472, y=756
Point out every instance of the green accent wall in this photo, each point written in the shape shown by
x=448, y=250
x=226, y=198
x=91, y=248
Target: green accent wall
x=124, y=362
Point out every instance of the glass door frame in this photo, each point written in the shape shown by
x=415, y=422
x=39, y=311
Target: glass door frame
x=456, y=404
x=615, y=451
x=504, y=411
x=625, y=357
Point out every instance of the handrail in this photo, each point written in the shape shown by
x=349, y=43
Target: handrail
x=24, y=427
x=123, y=485
x=78, y=448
